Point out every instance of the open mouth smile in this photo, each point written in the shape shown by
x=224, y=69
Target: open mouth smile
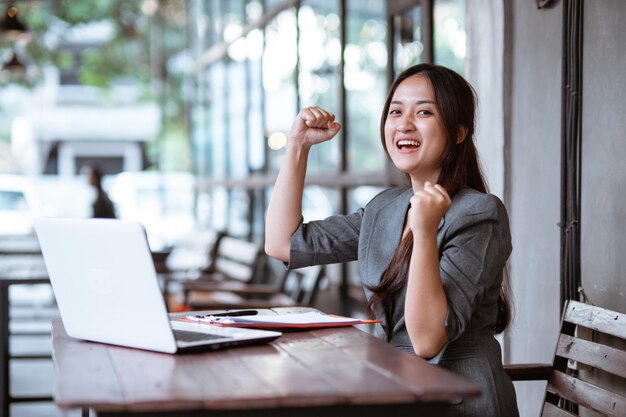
x=407, y=144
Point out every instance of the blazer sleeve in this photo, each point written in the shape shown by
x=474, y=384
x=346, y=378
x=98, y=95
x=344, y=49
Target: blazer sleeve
x=332, y=240
x=474, y=252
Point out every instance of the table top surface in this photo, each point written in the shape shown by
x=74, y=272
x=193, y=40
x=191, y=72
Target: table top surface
x=318, y=368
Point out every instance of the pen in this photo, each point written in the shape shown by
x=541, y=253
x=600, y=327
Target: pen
x=231, y=314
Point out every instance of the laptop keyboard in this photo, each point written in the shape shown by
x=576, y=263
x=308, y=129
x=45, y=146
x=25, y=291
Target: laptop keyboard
x=186, y=336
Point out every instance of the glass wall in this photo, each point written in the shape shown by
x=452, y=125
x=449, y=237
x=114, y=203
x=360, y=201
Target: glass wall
x=280, y=60
x=319, y=53
x=450, y=40
x=365, y=83
x=257, y=62
x=407, y=37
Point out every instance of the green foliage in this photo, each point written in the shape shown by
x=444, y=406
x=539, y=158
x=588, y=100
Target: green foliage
x=81, y=11
x=137, y=53
x=125, y=56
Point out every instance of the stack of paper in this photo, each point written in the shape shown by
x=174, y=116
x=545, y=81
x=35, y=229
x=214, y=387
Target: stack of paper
x=309, y=319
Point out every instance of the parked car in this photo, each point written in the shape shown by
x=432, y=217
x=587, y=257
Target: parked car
x=17, y=205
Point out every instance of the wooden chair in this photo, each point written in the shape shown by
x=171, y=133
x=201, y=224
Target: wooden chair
x=188, y=260
x=193, y=254
x=578, y=362
x=232, y=260
x=297, y=287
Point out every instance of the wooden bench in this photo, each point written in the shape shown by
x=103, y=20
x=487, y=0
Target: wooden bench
x=579, y=363
x=297, y=287
x=193, y=253
x=233, y=260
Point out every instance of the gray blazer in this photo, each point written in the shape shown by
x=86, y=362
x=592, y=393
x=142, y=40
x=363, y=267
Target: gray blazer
x=474, y=244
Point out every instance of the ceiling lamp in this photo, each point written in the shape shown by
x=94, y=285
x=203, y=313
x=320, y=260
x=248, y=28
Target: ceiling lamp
x=12, y=27
x=14, y=65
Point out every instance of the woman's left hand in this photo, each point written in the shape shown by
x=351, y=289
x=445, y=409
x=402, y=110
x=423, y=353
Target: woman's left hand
x=427, y=208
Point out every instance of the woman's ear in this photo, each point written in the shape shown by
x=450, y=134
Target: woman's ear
x=461, y=134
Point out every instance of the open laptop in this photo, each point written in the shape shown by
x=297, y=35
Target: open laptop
x=107, y=290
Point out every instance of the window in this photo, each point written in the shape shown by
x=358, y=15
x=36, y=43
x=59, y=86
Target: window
x=365, y=65
x=450, y=40
x=260, y=62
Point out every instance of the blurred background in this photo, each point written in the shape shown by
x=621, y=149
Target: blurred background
x=184, y=107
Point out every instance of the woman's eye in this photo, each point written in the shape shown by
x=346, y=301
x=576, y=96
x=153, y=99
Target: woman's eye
x=424, y=112
x=394, y=111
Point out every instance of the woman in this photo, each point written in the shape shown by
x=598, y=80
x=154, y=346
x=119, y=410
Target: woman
x=432, y=256
x=102, y=207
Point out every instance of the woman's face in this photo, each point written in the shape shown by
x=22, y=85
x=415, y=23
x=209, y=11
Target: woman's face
x=414, y=135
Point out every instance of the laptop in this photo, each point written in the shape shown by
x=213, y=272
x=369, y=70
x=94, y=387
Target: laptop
x=107, y=290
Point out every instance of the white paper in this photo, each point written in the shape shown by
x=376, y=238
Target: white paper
x=311, y=318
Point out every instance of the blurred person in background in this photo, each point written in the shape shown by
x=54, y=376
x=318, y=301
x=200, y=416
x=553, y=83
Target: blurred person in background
x=102, y=206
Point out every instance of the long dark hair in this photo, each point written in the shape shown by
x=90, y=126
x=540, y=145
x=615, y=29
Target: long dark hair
x=455, y=99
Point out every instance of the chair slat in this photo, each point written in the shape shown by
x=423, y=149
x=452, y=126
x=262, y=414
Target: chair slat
x=308, y=281
x=234, y=270
x=297, y=288
x=238, y=250
x=587, y=395
x=596, y=318
x=529, y=372
x=551, y=410
x=593, y=354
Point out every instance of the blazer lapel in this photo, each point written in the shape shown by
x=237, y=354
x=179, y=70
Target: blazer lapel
x=386, y=233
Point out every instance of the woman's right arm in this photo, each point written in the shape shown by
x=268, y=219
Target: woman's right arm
x=312, y=125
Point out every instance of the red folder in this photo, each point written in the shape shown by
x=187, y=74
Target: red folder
x=308, y=320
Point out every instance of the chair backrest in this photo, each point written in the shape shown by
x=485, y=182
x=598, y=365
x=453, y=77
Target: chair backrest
x=302, y=284
x=238, y=259
x=194, y=252
x=580, y=361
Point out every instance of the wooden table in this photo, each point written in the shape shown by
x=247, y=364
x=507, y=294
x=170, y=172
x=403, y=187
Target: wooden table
x=340, y=371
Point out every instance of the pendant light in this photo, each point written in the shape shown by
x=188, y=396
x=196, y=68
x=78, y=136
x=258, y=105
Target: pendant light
x=12, y=27
x=14, y=65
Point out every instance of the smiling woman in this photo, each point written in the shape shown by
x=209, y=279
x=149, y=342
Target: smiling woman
x=431, y=256
x=415, y=138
